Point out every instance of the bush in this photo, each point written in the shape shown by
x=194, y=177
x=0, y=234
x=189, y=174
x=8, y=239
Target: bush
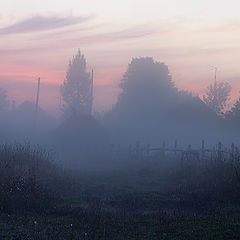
x=27, y=177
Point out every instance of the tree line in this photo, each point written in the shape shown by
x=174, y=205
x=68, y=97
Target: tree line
x=148, y=98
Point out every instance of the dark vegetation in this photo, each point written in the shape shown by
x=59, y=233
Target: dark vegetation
x=155, y=201
x=29, y=177
x=98, y=187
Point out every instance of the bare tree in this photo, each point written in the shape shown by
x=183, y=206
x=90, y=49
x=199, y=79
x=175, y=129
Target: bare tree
x=217, y=95
x=76, y=89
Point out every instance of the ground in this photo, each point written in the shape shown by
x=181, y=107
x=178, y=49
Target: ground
x=126, y=205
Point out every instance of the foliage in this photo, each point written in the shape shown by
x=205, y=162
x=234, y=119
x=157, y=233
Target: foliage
x=234, y=113
x=147, y=96
x=145, y=83
x=76, y=89
x=150, y=106
x=102, y=209
x=28, y=177
x=217, y=95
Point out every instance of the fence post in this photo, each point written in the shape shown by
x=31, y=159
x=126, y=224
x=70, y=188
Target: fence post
x=236, y=154
x=213, y=154
x=232, y=152
x=219, y=153
x=188, y=152
x=148, y=149
x=203, y=149
x=163, y=148
x=175, y=147
x=130, y=150
x=137, y=148
x=112, y=147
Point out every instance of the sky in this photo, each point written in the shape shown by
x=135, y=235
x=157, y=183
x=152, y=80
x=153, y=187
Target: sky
x=37, y=38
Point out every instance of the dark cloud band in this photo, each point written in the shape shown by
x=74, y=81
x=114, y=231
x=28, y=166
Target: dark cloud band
x=39, y=23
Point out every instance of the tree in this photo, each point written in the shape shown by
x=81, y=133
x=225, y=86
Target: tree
x=77, y=87
x=234, y=113
x=148, y=95
x=3, y=99
x=217, y=95
x=150, y=107
x=146, y=84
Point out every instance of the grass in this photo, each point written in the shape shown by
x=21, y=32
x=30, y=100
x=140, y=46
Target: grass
x=68, y=222
x=28, y=177
x=114, y=204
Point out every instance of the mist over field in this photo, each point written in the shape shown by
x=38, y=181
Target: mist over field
x=119, y=120
x=150, y=109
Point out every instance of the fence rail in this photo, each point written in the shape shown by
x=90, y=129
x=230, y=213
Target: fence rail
x=219, y=153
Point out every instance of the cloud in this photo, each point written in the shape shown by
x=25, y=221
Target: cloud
x=15, y=51
x=213, y=27
x=72, y=40
x=129, y=33
x=40, y=23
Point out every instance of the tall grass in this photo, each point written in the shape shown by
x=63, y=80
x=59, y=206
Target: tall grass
x=28, y=176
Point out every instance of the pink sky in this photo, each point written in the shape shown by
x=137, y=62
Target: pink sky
x=189, y=38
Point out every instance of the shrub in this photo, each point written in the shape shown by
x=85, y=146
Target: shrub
x=27, y=176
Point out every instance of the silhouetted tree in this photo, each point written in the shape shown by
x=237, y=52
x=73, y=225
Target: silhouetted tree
x=76, y=89
x=150, y=108
x=185, y=95
x=217, y=95
x=145, y=84
x=234, y=113
x=148, y=94
x=3, y=99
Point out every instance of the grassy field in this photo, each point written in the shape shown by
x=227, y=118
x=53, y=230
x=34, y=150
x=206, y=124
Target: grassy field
x=141, y=203
x=118, y=206
x=76, y=223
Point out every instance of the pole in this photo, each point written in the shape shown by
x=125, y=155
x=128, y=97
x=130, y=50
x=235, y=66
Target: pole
x=37, y=99
x=91, y=98
x=215, y=76
x=203, y=149
x=219, y=157
x=175, y=146
x=36, y=108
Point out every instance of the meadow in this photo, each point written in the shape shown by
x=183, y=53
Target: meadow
x=40, y=200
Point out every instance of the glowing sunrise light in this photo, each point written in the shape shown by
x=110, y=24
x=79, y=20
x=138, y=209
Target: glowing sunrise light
x=39, y=38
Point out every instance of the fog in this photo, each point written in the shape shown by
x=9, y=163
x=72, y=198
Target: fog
x=150, y=109
x=119, y=120
x=159, y=157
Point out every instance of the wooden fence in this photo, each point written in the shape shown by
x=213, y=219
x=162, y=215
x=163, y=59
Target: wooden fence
x=218, y=153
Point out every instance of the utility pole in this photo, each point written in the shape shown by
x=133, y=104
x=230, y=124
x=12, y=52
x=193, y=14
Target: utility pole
x=91, y=103
x=215, y=88
x=13, y=105
x=37, y=99
x=36, y=110
x=215, y=75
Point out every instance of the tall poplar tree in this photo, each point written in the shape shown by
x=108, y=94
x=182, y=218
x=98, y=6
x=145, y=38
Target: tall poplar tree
x=76, y=90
